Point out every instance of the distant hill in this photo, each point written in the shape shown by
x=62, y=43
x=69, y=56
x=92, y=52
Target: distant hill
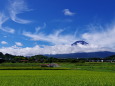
x=101, y=54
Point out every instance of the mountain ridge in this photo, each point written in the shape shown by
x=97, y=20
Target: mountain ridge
x=99, y=54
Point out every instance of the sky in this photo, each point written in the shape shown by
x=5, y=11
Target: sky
x=31, y=27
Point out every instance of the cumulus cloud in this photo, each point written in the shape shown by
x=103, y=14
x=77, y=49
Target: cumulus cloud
x=3, y=19
x=57, y=49
x=18, y=43
x=55, y=38
x=4, y=42
x=16, y=7
x=67, y=12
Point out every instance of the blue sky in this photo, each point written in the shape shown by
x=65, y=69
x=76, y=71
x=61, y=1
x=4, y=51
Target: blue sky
x=28, y=27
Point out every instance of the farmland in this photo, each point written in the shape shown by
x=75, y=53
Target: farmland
x=90, y=66
x=56, y=78
x=78, y=74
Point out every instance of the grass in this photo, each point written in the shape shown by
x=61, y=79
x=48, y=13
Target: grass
x=28, y=66
x=20, y=64
x=92, y=66
x=56, y=78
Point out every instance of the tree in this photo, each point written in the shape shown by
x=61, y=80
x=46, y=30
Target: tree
x=2, y=60
x=1, y=55
x=9, y=57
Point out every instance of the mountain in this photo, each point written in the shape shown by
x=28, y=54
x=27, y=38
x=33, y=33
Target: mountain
x=79, y=42
x=101, y=54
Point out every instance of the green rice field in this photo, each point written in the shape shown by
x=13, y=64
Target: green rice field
x=67, y=74
x=56, y=78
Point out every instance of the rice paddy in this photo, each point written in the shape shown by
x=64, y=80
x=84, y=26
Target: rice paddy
x=68, y=74
x=56, y=78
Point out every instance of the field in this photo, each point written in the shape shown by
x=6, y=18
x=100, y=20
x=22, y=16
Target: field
x=78, y=74
x=56, y=78
x=92, y=66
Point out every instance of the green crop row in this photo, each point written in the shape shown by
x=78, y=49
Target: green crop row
x=56, y=78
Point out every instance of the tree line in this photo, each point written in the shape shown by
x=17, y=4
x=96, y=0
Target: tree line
x=44, y=59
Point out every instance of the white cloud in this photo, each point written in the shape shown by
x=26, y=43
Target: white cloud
x=55, y=38
x=18, y=43
x=57, y=49
x=3, y=19
x=101, y=39
x=4, y=42
x=98, y=41
x=17, y=7
x=67, y=12
x=8, y=29
x=104, y=38
x=39, y=28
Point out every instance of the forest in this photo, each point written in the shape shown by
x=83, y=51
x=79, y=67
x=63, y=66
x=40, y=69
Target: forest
x=45, y=59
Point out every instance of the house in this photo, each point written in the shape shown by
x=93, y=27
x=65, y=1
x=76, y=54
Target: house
x=23, y=60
